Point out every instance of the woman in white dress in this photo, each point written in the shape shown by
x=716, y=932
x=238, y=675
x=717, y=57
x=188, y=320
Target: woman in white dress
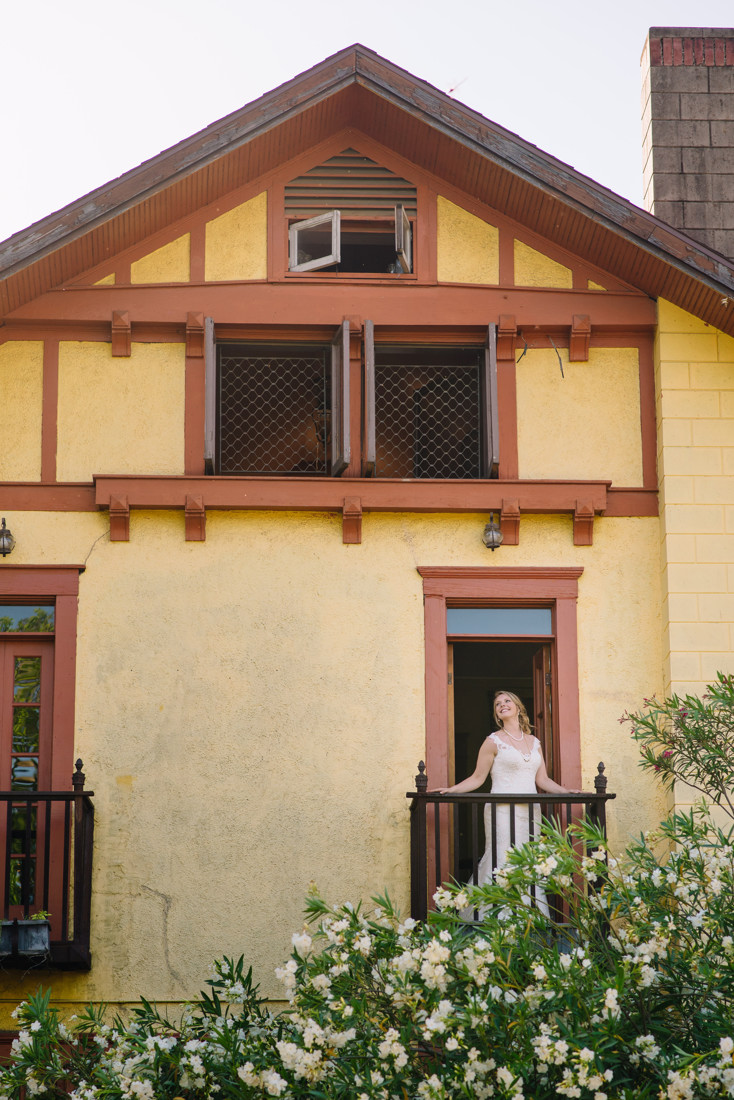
x=515, y=759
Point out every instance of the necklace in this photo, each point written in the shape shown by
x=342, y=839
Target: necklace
x=519, y=740
x=512, y=735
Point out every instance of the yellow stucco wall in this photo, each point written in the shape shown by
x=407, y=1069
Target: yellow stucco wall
x=236, y=242
x=107, y=280
x=694, y=365
x=533, y=268
x=250, y=712
x=120, y=415
x=21, y=395
x=585, y=424
x=169, y=264
x=467, y=247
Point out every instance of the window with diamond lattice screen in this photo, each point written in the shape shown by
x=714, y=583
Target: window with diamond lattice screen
x=273, y=409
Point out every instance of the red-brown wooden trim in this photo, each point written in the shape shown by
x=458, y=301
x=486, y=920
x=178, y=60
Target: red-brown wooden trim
x=49, y=413
x=352, y=520
x=648, y=420
x=39, y=580
x=506, y=336
x=479, y=586
x=195, y=335
x=60, y=583
x=386, y=302
x=631, y=502
x=195, y=521
x=510, y=522
x=119, y=509
x=29, y=496
x=583, y=523
x=578, y=341
x=426, y=234
x=92, y=331
x=6, y=1042
x=326, y=494
x=121, y=333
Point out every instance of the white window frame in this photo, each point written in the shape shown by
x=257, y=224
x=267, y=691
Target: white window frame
x=334, y=257
x=403, y=241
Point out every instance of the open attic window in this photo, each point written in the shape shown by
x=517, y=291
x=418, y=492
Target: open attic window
x=352, y=215
x=331, y=241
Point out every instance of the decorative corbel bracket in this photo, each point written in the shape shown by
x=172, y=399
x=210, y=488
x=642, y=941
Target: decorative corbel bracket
x=578, y=344
x=583, y=523
x=119, y=519
x=352, y=520
x=195, y=518
x=510, y=522
x=121, y=332
x=195, y=335
x=506, y=336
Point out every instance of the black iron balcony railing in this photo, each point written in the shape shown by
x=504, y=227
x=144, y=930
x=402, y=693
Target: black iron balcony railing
x=447, y=831
x=46, y=845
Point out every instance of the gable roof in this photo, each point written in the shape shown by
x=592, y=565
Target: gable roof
x=358, y=88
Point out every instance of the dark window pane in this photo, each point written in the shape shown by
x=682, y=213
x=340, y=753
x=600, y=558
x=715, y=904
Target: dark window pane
x=24, y=773
x=427, y=404
x=25, y=729
x=27, y=680
x=274, y=409
x=23, y=842
x=27, y=619
x=22, y=872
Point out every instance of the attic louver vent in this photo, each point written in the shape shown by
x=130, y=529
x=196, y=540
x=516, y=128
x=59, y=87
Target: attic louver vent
x=351, y=183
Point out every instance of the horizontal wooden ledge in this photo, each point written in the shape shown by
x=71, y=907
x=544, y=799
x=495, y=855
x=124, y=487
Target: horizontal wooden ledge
x=328, y=494
x=384, y=495
x=278, y=304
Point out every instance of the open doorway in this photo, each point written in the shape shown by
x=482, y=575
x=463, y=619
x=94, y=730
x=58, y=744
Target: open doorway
x=478, y=669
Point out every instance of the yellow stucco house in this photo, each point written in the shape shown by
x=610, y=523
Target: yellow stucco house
x=261, y=398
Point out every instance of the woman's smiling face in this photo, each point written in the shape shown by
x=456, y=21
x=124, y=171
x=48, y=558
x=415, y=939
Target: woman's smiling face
x=505, y=707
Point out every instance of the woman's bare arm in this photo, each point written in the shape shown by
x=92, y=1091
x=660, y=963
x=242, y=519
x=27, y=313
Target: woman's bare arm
x=485, y=760
x=544, y=782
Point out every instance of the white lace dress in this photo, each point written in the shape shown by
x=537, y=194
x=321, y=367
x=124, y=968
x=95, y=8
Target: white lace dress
x=513, y=772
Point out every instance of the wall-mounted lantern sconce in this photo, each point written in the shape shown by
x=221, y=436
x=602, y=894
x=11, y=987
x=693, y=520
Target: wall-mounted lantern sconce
x=492, y=536
x=7, y=542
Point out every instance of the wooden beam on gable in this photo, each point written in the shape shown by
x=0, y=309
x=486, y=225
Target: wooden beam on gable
x=578, y=344
x=510, y=522
x=195, y=518
x=121, y=333
x=583, y=523
x=352, y=521
x=195, y=335
x=119, y=519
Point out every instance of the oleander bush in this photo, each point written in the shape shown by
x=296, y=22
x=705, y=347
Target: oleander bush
x=629, y=992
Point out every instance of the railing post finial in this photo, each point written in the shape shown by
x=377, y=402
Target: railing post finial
x=600, y=780
x=77, y=779
x=421, y=780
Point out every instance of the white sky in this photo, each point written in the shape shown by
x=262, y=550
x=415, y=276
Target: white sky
x=90, y=88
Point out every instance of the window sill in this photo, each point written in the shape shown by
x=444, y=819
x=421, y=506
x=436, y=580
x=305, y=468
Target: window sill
x=582, y=500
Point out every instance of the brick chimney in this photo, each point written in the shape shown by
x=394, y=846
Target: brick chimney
x=688, y=131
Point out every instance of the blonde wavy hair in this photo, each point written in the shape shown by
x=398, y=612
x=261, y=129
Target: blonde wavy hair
x=522, y=714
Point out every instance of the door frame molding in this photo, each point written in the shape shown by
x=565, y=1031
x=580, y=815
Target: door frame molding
x=477, y=586
x=59, y=583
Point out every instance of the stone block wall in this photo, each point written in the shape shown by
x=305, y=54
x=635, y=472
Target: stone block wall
x=688, y=131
